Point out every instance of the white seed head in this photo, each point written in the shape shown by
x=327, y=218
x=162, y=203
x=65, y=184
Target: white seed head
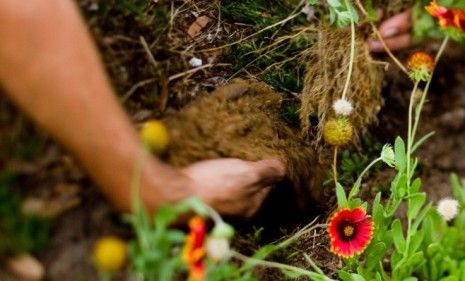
x=388, y=156
x=448, y=208
x=342, y=107
x=217, y=248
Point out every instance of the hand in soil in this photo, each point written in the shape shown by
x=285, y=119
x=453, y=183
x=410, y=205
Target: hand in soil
x=234, y=187
x=395, y=32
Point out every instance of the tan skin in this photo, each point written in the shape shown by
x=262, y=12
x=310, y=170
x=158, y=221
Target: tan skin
x=50, y=69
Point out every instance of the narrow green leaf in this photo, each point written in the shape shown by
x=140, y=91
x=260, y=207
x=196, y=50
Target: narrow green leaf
x=398, y=236
x=355, y=189
x=399, y=150
x=374, y=253
x=415, y=202
x=341, y=196
x=422, y=141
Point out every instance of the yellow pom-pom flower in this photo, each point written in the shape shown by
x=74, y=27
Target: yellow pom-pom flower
x=109, y=254
x=155, y=136
x=338, y=132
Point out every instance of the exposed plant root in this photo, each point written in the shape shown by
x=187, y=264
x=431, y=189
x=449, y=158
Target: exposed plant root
x=325, y=78
x=243, y=120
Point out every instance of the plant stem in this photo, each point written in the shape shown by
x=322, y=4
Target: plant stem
x=412, y=132
x=425, y=90
x=352, y=58
x=368, y=168
x=334, y=166
x=277, y=265
x=381, y=39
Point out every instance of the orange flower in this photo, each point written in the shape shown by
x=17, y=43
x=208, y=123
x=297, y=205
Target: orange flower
x=350, y=232
x=420, y=65
x=453, y=17
x=194, y=251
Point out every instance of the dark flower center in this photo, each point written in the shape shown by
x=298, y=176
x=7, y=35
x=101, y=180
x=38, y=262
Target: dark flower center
x=347, y=231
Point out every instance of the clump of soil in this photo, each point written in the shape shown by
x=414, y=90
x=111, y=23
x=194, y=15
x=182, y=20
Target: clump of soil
x=326, y=76
x=243, y=120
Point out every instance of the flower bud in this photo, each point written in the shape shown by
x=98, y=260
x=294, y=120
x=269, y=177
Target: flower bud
x=420, y=65
x=154, y=136
x=109, y=254
x=388, y=156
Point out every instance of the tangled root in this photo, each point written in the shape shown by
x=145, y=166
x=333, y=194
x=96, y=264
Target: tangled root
x=328, y=60
x=242, y=120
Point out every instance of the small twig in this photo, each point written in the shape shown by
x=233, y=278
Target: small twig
x=148, y=52
x=254, y=34
x=381, y=39
x=136, y=86
x=193, y=70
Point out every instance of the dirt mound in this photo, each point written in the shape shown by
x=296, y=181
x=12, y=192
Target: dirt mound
x=244, y=120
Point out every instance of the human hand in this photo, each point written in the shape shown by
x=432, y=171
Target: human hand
x=395, y=32
x=234, y=187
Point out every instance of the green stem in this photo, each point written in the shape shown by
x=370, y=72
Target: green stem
x=412, y=132
x=368, y=168
x=277, y=265
x=352, y=57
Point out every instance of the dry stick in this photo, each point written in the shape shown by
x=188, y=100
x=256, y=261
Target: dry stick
x=193, y=70
x=149, y=53
x=380, y=38
x=254, y=34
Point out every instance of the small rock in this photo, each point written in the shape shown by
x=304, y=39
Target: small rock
x=26, y=267
x=195, y=62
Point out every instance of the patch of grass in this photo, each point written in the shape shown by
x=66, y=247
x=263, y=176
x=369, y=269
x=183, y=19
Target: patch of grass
x=19, y=233
x=272, y=55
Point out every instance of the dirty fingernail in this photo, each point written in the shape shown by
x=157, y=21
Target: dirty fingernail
x=390, y=32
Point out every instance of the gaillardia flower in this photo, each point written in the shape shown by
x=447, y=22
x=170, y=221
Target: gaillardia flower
x=448, y=17
x=420, y=65
x=350, y=232
x=194, y=252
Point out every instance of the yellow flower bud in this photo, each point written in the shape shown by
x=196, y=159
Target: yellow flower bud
x=338, y=132
x=109, y=254
x=155, y=136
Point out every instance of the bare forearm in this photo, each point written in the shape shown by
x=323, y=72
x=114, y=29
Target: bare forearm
x=50, y=68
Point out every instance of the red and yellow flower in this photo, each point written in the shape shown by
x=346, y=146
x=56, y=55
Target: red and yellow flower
x=448, y=17
x=194, y=250
x=350, y=232
x=420, y=65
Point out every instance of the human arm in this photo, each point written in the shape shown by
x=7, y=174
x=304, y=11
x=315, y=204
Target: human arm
x=50, y=69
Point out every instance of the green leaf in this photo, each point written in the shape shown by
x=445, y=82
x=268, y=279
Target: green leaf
x=355, y=189
x=356, y=277
x=419, y=219
x=415, y=187
x=398, y=236
x=421, y=141
x=415, y=202
x=415, y=241
x=341, y=196
x=457, y=189
x=334, y=3
x=344, y=275
x=374, y=253
x=399, y=150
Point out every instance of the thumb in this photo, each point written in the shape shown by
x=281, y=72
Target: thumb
x=270, y=171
